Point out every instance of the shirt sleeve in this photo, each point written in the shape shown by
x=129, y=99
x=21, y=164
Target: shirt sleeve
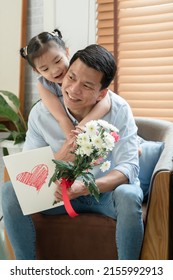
x=125, y=155
x=34, y=137
x=52, y=87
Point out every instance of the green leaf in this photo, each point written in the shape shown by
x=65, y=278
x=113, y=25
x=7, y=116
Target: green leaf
x=63, y=169
x=6, y=111
x=89, y=181
x=3, y=127
x=18, y=137
x=52, y=179
x=12, y=97
x=5, y=151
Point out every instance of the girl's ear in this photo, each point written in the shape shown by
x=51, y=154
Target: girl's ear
x=68, y=52
x=35, y=70
x=102, y=94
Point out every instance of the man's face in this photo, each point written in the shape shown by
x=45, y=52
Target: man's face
x=81, y=89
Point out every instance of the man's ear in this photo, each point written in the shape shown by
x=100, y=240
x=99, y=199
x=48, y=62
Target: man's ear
x=102, y=94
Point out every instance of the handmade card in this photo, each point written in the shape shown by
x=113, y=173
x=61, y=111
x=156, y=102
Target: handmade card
x=30, y=172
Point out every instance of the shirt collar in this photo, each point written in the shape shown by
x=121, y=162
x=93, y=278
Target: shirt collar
x=75, y=122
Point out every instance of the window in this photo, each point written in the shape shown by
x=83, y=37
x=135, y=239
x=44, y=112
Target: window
x=143, y=47
x=105, y=25
x=145, y=56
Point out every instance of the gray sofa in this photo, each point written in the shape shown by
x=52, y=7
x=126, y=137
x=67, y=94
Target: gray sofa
x=92, y=236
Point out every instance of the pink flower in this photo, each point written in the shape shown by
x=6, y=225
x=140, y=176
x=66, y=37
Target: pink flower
x=98, y=161
x=116, y=136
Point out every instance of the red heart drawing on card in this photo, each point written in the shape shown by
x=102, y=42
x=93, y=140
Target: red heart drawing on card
x=36, y=178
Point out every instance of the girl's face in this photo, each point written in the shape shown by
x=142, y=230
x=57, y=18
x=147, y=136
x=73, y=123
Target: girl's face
x=53, y=64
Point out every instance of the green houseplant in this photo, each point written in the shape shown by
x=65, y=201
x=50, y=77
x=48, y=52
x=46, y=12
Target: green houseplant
x=10, y=111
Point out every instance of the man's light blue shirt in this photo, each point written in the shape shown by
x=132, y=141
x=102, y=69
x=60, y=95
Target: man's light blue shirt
x=44, y=130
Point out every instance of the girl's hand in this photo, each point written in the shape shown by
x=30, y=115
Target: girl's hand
x=65, y=153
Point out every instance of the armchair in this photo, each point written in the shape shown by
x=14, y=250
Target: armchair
x=61, y=237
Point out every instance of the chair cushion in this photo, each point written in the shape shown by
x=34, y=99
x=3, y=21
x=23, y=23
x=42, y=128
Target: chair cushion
x=89, y=236
x=151, y=152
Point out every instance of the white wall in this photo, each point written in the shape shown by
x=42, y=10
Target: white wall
x=76, y=19
x=10, y=32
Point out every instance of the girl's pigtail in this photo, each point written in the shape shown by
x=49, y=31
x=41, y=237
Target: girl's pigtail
x=56, y=32
x=23, y=52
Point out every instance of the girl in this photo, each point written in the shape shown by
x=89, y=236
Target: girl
x=48, y=56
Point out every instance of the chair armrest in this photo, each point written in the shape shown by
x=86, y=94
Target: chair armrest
x=157, y=224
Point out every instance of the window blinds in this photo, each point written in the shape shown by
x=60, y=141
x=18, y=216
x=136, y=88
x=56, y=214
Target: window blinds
x=145, y=56
x=105, y=25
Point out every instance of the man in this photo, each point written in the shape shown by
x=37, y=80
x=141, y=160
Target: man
x=90, y=72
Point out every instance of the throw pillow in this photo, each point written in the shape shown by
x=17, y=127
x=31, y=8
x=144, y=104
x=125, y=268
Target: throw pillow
x=151, y=152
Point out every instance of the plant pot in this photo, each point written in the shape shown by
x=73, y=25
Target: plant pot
x=11, y=147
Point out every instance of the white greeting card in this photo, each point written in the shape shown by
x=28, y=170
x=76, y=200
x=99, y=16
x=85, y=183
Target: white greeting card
x=30, y=172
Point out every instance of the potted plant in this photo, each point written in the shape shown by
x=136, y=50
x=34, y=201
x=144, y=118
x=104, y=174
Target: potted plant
x=17, y=126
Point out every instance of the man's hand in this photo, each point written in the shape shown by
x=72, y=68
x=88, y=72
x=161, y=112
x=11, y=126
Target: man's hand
x=77, y=189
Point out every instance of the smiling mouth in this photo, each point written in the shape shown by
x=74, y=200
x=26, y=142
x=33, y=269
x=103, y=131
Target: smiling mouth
x=72, y=98
x=59, y=76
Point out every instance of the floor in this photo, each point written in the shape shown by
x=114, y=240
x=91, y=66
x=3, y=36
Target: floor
x=1, y=176
x=1, y=170
x=4, y=254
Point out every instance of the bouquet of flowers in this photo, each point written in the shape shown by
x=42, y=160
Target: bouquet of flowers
x=92, y=148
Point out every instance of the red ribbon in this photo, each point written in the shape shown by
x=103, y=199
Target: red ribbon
x=65, y=184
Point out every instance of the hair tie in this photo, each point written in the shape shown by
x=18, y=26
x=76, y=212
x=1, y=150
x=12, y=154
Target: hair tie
x=52, y=33
x=57, y=33
x=25, y=50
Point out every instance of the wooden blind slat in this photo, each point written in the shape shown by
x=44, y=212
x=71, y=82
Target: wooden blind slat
x=106, y=40
x=145, y=11
x=158, y=61
x=104, y=2
x=161, y=18
x=142, y=37
x=141, y=3
x=105, y=32
x=159, y=104
x=105, y=23
x=143, y=78
x=159, y=87
x=149, y=95
x=159, y=113
x=145, y=28
x=148, y=45
x=105, y=8
x=152, y=70
x=167, y=52
x=105, y=16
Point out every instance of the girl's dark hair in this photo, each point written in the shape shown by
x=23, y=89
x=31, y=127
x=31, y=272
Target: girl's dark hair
x=100, y=59
x=40, y=44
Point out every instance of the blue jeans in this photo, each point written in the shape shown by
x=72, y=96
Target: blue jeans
x=122, y=204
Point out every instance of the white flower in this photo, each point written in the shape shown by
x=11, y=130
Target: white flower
x=109, y=141
x=105, y=166
x=97, y=141
x=91, y=128
x=107, y=125
x=87, y=149
x=82, y=139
